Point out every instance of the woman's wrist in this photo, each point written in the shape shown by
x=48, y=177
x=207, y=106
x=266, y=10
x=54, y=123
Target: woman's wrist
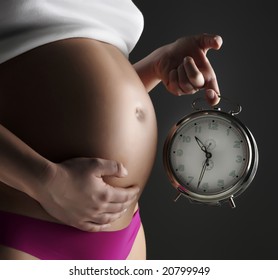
x=21, y=167
x=147, y=70
x=41, y=177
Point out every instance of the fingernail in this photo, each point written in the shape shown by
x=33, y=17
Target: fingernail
x=210, y=94
x=124, y=171
x=186, y=59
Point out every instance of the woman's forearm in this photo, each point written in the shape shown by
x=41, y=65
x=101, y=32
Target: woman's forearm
x=72, y=191
x=20, y=166
x=145, y=69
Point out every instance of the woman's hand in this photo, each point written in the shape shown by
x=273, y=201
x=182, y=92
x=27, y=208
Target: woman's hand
x=184, y=68
x=77, y=195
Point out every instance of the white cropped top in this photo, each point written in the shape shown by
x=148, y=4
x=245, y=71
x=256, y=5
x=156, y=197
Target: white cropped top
x=26, y=24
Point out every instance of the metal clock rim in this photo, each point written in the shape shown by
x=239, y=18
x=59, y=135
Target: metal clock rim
x=232, y=112
x=235, y=190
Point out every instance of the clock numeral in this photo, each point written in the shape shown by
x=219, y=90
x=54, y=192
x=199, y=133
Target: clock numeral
x=180, y=168
x=233, y=174
x=220, y=183
x=186, y=139
x=205, y=186
x=190, y=179
x=239, y=159
x=237, y=144
x=179, y=153
x=228, y=130
x=198, y=129
x=213, y=125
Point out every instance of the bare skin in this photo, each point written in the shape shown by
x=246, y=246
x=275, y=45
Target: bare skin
x=93, y=111
x=102, y=120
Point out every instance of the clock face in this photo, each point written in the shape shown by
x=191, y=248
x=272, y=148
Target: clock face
x=208, y=154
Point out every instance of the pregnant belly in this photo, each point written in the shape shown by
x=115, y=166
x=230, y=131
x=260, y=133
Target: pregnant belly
x=78, y=98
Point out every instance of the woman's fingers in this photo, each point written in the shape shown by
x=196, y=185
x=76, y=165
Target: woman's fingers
x=209, y=41
x=195, y=76
x=104, y=167
x=186, y=79
x=184, y=68
x=190, y=77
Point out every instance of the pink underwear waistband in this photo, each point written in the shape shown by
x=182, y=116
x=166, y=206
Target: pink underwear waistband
x=52, y=241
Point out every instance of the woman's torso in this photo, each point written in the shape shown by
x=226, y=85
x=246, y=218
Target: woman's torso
x=78, y=98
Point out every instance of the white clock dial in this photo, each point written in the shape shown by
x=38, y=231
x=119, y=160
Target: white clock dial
x=208, y=154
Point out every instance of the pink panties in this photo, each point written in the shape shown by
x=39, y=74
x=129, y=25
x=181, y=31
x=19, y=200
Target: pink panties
x=52, y=241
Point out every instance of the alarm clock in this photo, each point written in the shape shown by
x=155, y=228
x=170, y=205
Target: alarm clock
x=210, y=156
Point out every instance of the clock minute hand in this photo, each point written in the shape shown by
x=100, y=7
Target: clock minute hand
x=206, y=163
x=202, y=172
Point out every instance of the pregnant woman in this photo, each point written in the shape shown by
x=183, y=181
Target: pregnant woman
x=77, y=126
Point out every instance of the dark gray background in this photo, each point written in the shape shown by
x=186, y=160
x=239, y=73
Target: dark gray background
x=246, y=67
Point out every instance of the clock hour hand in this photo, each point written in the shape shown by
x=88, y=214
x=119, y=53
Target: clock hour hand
x=203, y=147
